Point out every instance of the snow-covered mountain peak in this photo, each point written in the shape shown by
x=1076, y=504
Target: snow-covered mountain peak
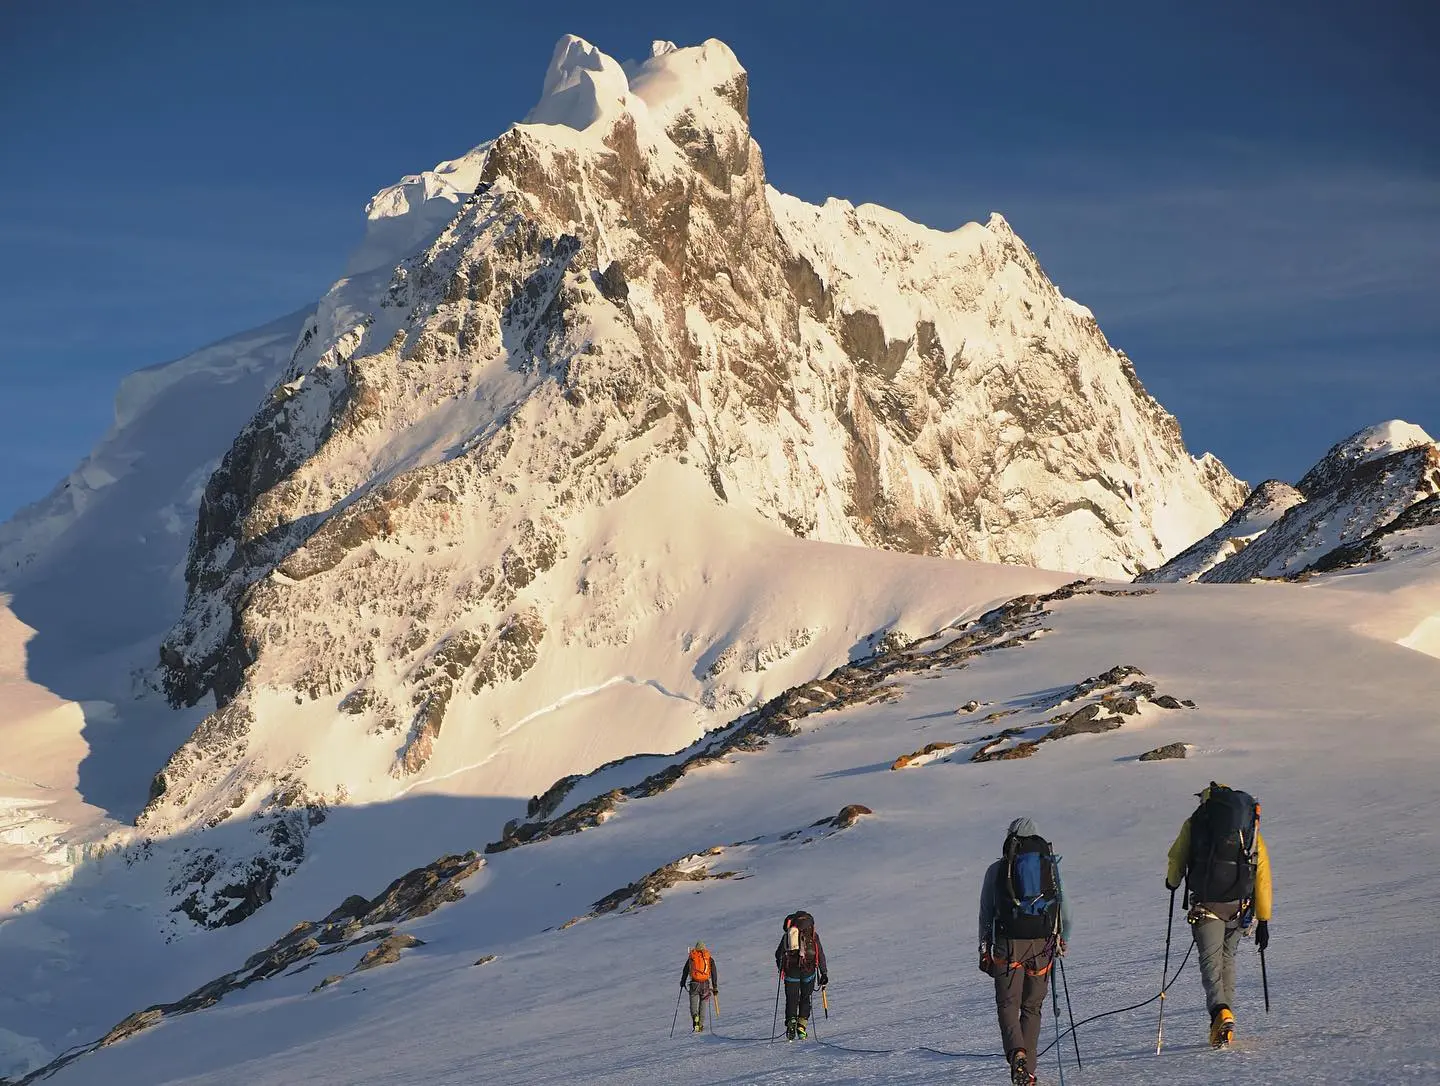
x=583, y=87
x=1351, y=496
x=449, y=549
x=1372, y=443
x=586, y=89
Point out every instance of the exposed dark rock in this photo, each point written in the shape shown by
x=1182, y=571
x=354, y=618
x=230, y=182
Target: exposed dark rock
x=1159, y=754
x=132, y=1025
x=352, y=907
x=1165, y=701
x=387, y=951
x=1084, y=722
x=849, y=815
x=612, y=284
x=647, y=890
x=220, y=889
x=333, y=978
x=485, y=959
x=514, y=652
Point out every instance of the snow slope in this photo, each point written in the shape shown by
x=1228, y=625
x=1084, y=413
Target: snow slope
x=726, y=583
x=1283, y=682
x=44, y=822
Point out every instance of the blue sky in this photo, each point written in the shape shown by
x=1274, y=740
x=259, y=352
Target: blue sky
x=1248, y=199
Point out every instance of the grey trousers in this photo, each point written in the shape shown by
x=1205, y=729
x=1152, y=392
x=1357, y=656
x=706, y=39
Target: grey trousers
x=1216, y=940
x=1020, y=992
x=699, y=992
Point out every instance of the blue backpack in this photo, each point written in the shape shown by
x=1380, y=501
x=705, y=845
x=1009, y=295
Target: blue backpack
x=1028, y=904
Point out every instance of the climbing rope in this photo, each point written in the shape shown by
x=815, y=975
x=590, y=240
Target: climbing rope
x=976, y=1055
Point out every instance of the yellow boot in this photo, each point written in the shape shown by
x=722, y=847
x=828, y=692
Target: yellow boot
x=1222, y=1027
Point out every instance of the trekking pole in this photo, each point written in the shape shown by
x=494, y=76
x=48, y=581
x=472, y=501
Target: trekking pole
x=813, y=1030
x=779, y=980
x=1073, y=1035
x=1164, y=973
x=1265, y=981
x=1055, y=1011
x=676, y=1017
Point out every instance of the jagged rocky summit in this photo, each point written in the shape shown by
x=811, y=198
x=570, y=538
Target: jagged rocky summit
x=603, y=327
x=1379, y=482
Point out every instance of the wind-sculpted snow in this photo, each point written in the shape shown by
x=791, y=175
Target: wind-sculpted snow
x=386, y=564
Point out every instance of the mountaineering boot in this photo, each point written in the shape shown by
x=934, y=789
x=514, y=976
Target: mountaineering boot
x=699, y=1025
x=789, y=1029
x=1222, y=1027
x=1020, y=1069
x=800, y=1025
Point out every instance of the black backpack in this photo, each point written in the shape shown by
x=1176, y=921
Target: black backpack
x=800, y=956
x=1224, y=831
x=1028, y=898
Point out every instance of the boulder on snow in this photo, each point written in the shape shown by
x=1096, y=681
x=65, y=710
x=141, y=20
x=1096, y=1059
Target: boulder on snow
x=1160, y=754
x=333, y=978
x=849, y=815
x=1165, y=701
x=1084, y=721
x=929, y=748
x=387, y=952
x=485, y=959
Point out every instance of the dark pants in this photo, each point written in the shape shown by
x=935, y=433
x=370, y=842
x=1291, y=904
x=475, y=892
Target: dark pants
x=1023, y=978
x=699, y=993
x=797, y=998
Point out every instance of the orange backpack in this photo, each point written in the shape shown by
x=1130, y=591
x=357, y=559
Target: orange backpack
x=699, y=965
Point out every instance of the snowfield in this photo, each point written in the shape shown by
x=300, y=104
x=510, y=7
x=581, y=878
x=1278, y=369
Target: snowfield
x=1331, y=728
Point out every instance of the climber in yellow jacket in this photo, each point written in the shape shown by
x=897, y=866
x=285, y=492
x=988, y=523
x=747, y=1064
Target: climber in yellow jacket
x=1226, y=868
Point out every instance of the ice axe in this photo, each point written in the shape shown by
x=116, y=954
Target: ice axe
x=825, y=1002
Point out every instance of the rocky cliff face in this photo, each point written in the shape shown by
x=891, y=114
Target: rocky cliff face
x=1331, y=518
x=608, y=300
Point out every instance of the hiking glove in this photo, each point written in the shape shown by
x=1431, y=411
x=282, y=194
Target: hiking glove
x=987, y=961
x=824, y=979
x=1262, y=933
